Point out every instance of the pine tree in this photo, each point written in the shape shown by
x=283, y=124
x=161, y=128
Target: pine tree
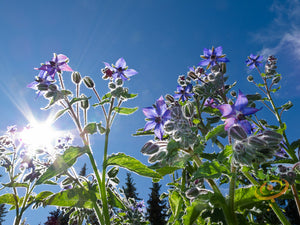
x=130, y=189
x=3, y=211
x=156, y=210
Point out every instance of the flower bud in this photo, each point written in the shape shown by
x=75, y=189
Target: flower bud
x=158, y=156
x=149, y=148
x=89, y=83
x=233, y=93
x=223, y=68
x=282, y=169
x=112, y=85
x=42, y=87
x=256, y=142
x=272, y=134
x=287, y=105
x=276, y=80
x=76, y=77
x=192, y=193
x=211, y=77
x=52, y=87
x=84, y=104
x=237, y=132
x=192, y=75
x=169, y=127
x=169, y=98
x=119, y=82
x=188, y=110
x=113, y=172
x=250, y=78
x=199, y=70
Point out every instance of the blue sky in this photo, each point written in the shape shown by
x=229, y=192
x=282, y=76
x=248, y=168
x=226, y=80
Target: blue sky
x=159, y=38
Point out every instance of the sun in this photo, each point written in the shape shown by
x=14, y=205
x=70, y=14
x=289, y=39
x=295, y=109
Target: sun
x=39, y=135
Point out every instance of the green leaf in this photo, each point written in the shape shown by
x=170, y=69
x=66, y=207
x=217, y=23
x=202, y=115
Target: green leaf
x=141, y=132
x=128, y=96
x=167, y=170
x=115, y=201
x=193, y=212
x=57, y=96
x=245, y=197
x=125, y=111
x=43, y=195
x=75, y=197
x=211, y=170
x=294, y=145
x=131, y=164
x=60, y=113
x=16, y=185
x=79, y=99
x=225, y=153
x=176, y=203
x=214, y=132
x=108, y=95
x=102, y=102
x=90, y=128
x=8, y=199
x=62, y=163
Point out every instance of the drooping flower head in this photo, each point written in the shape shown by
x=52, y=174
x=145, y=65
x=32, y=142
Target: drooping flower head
x=235, y=114
x=254, y=61
x=119, y=70
x=184, y=93
x=212, y=57
x=41, y=83
x=56, y=65
x=157, y=116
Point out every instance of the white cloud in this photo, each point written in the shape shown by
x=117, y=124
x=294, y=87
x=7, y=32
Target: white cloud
x=284, y=32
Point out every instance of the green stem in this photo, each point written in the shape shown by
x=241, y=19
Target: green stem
x=296, y=197
x=232, y=192
x=279, y=213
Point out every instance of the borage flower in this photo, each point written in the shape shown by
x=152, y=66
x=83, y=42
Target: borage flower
x=56, y=65
x=157, y=117
x=184, y=93
x=41, y=83
x=120, y=70
x=254, y=61
x=212, y=57
x=235, y=114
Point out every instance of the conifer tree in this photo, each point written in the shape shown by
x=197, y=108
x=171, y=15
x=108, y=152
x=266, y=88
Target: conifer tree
x=156, y=210
x=3, y=211
x=130, y=189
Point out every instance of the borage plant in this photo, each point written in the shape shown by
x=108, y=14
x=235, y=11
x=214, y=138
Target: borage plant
x=94, y=194
x=248, y=166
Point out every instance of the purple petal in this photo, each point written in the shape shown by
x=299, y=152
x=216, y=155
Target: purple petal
x=161, y=106
x=32, y=85
x=225, y=109
x=121, y=63
x=260, y=58
x=150, y=112
x=246, y=125
x=166, y=116
x=177, y=96
x=62, y=58
x=219, y=51
x=149, y=125
x=241, y=102
x=229, y=122
x=204, y=62
x=130, y=72
x=248, y=111
x=65, y=67
x=189, y=88
x=222, y=59
x=159, y=131
x=206, y=52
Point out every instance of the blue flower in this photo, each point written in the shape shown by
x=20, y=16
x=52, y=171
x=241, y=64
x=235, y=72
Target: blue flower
x=120, y=70
x=235, y=114
x=41, y=83
x=254, y=61
x=157, y=116
x=184, y=93
x=212, y=57
x=56, y=65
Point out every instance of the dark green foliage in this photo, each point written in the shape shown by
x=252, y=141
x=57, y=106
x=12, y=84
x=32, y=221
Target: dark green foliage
x=3, y=211
x=156, y=210
x=130, y=189
x=57, y=217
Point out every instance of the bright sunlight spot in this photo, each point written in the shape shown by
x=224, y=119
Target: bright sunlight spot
x=39, y=135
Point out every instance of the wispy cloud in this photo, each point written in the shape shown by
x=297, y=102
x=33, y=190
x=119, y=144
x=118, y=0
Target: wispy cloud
x=283, y=34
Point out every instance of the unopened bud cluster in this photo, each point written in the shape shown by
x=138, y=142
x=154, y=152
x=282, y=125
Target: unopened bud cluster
x=287, y=174
x=270, y=67
x=256, y=148
x=179, y=126
x=155, y=150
